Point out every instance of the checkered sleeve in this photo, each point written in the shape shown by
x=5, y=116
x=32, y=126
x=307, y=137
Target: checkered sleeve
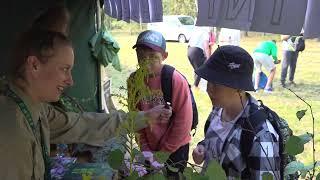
x=264, y=156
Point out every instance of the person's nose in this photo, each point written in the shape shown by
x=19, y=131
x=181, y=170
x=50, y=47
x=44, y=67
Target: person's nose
x=69, y=80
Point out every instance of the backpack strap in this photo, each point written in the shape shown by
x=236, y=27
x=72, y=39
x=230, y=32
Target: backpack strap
x=273, y=117
x=166, y=87
x=250, y=125
x=209, y=119
x=166, y=82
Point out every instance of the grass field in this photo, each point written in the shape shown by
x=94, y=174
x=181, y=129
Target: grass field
x=281, y=100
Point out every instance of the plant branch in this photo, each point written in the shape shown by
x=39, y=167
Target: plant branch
x=313, y=135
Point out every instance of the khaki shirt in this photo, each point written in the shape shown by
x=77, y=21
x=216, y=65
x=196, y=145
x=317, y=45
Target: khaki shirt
x=20, y=151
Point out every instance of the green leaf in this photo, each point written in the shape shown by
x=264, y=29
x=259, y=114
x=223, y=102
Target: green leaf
x=115, y=158
x=301, y=113
x=318, y=176
x=308, y=168
x=193, y=175
x=157, y=176
x=215, y=171
x=303, y=174
x=197, y=176
x=161, y=157
x=135, y=152
x=294, y=145
x=171, y=168
x=133, y=176
x=188, y=171
x=306, y=137
x=267, y=176
x=293, y=167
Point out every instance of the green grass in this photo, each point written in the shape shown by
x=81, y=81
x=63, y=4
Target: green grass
x=282, y=101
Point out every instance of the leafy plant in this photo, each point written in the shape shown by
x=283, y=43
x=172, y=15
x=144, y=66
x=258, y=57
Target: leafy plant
x=295, y=145
x=138, y=90
x=267, y=176
x=115, y=158
x=215, y=171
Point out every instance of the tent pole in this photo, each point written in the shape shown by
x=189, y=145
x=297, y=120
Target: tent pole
x=99, y=85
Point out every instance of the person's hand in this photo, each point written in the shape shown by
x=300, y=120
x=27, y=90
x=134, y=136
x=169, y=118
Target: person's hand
x=148, y=155
x=156, y=165
x=278, y=62
x=198, y=154
x=159, y=113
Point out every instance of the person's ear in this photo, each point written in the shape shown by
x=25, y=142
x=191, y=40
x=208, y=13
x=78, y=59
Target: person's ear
x=33, y=64
x=165, y=55
x=238, y=91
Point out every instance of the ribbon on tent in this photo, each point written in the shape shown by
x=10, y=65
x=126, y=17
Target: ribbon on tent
x=144, y=11
x=274, y=16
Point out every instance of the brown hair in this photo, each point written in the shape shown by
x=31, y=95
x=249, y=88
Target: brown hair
x=55, y=18
x=34, y=42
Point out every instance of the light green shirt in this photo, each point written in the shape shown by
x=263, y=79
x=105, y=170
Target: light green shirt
x=268, y=48
x=20, y=151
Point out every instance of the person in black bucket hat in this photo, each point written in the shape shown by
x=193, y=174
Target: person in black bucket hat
x=230, y=66
x=229, y=75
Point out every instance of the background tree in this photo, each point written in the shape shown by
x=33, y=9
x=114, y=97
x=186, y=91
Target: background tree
x=177, y=7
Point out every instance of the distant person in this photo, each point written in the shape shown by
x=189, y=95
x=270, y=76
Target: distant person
x=199, y=50
x=229, y=37
x=172, y=137
x=212, y=40
x=291, y=46
x=265, y=55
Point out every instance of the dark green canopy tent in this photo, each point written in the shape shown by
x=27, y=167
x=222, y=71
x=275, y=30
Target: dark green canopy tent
x=16, y=17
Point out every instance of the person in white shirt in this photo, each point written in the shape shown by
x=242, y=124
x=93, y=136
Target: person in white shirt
x=290, y=57
x=199, y=49
x=229, y=37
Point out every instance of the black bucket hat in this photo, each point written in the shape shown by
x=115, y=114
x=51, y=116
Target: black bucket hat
x=231, y=66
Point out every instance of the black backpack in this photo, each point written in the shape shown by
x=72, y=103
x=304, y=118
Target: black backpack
x=298, y=43
x=258, y=114
x=166, y=86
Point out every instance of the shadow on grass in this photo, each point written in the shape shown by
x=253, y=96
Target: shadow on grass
x=306, y=91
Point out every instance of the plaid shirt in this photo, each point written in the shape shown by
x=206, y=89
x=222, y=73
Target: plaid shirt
x=263, y=157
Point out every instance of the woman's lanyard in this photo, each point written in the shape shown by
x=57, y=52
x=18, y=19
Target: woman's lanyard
x=28, y=116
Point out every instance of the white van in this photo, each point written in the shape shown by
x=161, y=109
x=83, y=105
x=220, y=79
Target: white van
x=174, y=27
